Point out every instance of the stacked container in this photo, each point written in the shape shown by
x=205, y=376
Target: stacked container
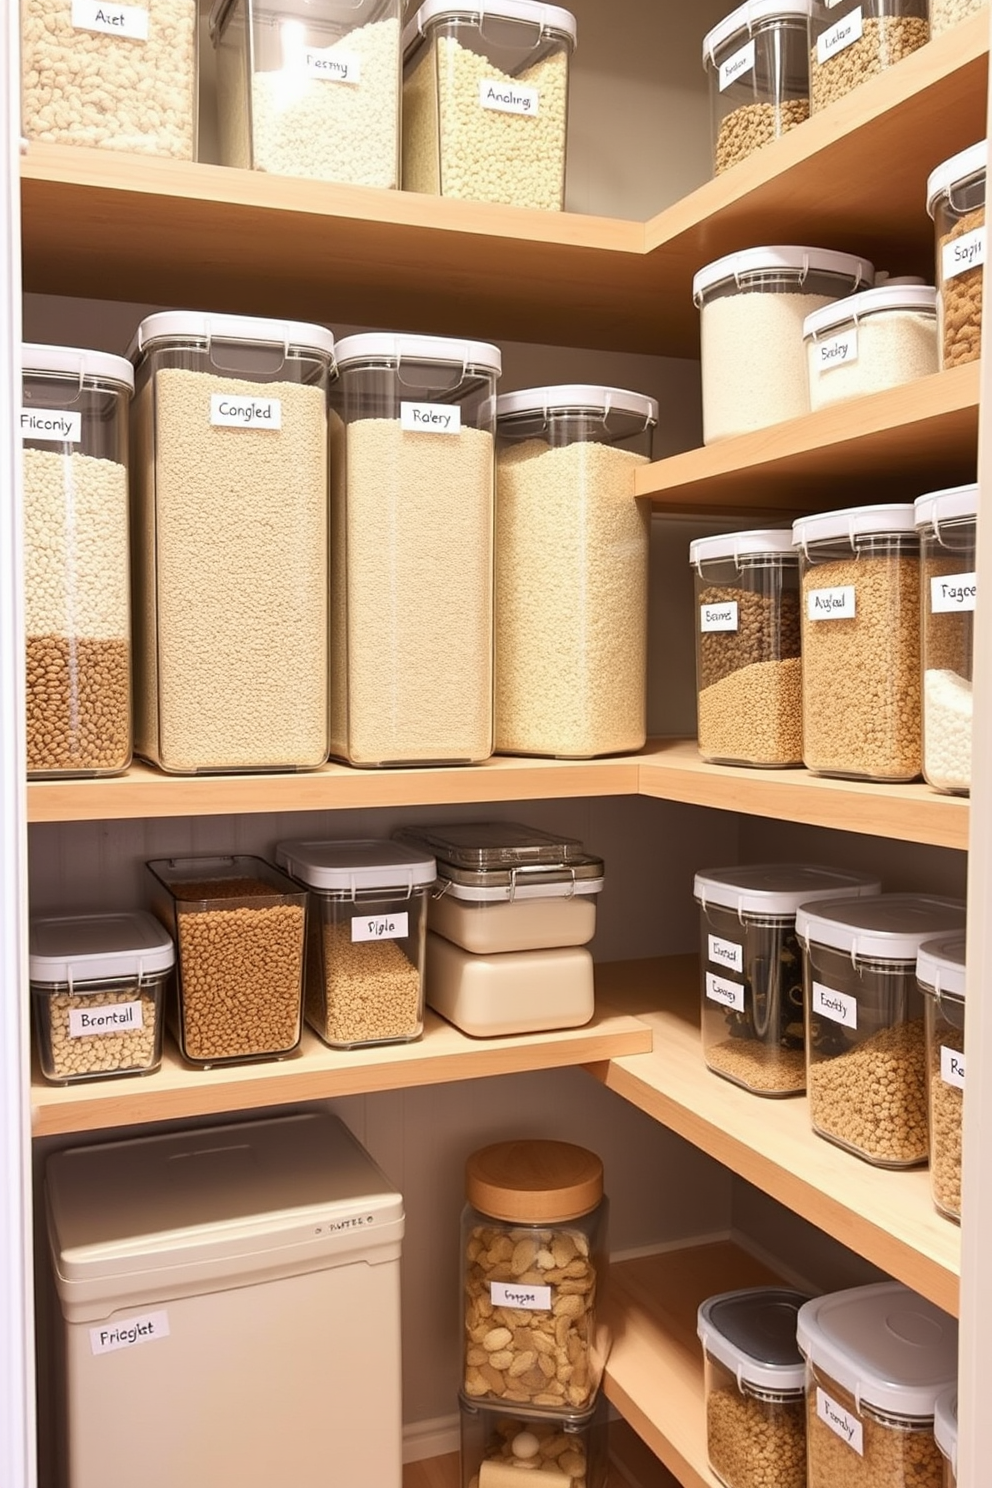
x=871, y=341
x=956, y=202
x=940, y=971
x=863, y=39
x=757, y=60
x=945, y=1431
x=947, y=524
x=500, y=1448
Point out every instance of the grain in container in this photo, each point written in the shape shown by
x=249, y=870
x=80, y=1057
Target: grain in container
x=956, y=202
x=310, y=88
x=751, y=984
x=238, y=925
x=940, y=971
x=412, y=512
x=229, y=445
x=945, y=1431
x=534, y=1247
x=752, y=306
x=947, y=522
x=98, y=984
x=77, y=610
x=862, y=707
x=485, y=101
x=490, y=996
x=115, y=77
x=865, y=1040
x=502, y=1444
x=754, y=1380
x=748, y=666
x=571, y=571
x=367, y=919
x=877, y=1358
x=878, y=339
x=862, y=40
x=947, y=13
x=757, y=61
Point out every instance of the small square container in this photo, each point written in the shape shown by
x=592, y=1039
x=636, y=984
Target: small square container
x=513, y=992
x=757, y=61
x=238, y=925
x=503, y=1447
x=754, y=1379
x=956, y=202
x=752, y=978
x=98, y=987
x=877, y=1359
x=945, y=1431
x=940, y=971
x=851, y=43
x=871, y=341
x=367, y=920
x=485, y=101
x=947, y=524
x=865, y=1040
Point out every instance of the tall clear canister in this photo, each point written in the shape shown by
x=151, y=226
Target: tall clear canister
x=947, y=524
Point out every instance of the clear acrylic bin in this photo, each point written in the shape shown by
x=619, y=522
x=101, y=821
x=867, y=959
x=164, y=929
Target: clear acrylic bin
x=850, y=43
x=947, y=524
x=879, y=339
x=940, y=971
x=757, y=61
x=503, y=1447
x=956, y=202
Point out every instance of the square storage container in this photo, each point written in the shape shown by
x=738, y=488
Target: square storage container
x=367, y=919
x=865, y=1042
x=412, y=512
x=940, y=971
x=848, y=47
x=238, y=925
x=230, y=457
x=77, y=610
x=489, y=996
x=945, y=1430
x=947, y=524
x=502, y=1446
x=947, y=13
x=98, y=985
x=871, y=341
x=310, y=88
x=877, y=1358
x=862, y=705
x=757, y=62
x=956, y=202
x=751, y=968
x=485, y=102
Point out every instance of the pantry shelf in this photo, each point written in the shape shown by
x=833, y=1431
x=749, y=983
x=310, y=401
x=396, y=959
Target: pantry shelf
x=887, y=1217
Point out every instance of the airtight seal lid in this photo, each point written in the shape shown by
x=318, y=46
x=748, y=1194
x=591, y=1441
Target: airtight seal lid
x=954, y=504
x=776, y=889
x=384, y=346
x=964, y=166
x=75, y=361
x=752, y=1332
x=539, y=881
x=742, y=21
x=97, y=947
x=855, y=521
x=351, y=867
x=921, y=298
x=940, y=966
x=191, y=325
x=887, y=927
x=782, y=259
x=945, y=1425
x=578, y=397
x=551, y=19
x=481, y=847
x=889, y=1348
x=770, y=542
x=534, y=1182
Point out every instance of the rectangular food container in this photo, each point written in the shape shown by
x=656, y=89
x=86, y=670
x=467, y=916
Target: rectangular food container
x=489, y=996
x=503, y=1447
x=238, y=924
x=871, y=341
x=956, y=202
x=947, y=523
x=850, y=43
x=945, y=1430
x=757, y=62
x=940, y=971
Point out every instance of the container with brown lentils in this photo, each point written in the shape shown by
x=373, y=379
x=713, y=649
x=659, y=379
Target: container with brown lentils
x=956, y=202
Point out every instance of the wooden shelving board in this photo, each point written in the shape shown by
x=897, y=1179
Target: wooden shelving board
x=887, y=1217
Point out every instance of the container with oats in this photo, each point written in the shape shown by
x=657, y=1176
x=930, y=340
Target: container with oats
x=502, y=1446
x=947, y=524
x=757, y=60
x=940, y=971
x=956, y=202
x=850, y=43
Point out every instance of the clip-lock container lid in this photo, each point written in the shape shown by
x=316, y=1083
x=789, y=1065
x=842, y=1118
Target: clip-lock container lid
x=478, y=847
x=578, y=397
x=752, y=1332
x=776, y=889
x=889, y=927
x=350, y=867
x=534, y=1182
x=782, y=258
x=741, y=22
x=954, y=504
x=921, y=298
x=385, y=346
x=884, y=520
x=954, y=172
x=945, y=1425
x=97, y=947
x=552, y=19
x=192, y=325
x=891, y=1349
x=76, y=361
x=770, y=542
x=940, y=965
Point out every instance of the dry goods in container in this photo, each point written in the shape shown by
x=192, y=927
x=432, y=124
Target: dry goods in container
x=74, y=433
x=571, y=571
x=238, y=924
x=862, y=40
x=534, y=1257
x=862, y=712
x=940, y=971
x=98, y=986
x=752, y=977
x=491, y=996
x=501, y=1446
x=230, y=455
x=412, y=550
x=485, y=101
x=877, y=1358
x=752, y=306
x=117, y=77
x=947, y=522
x=310, y=89
x=865, y=1041
x=956, y=202
x=757, y=60
x=871, y=341
x=945, y=1431
x=748, y=667
x=947, y=13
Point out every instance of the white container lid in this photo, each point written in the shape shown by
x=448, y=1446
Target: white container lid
x=371, y=346
x=97, y=947
x=940, y=965
x=581, y=396
x=193, y=325
x=889, y=927
x=776, y=888
x=75, y=361
x=921, y=298
x=855, y=521
x=771, y=540
x=752, y=1332
x=745, y=17
x=350, y=867
x=891, y=1349
x=945, y=1425
x=954, y=504
x=548, y=17
x=953, y=172
x=782, y=258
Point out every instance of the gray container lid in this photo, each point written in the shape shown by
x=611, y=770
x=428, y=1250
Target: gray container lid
x=940, y=965
x=477, y=847
x=70, y=949
x=752, y=1332
x=357, y=866
x=945, y=1425
x=776, y=889
x=889, y=927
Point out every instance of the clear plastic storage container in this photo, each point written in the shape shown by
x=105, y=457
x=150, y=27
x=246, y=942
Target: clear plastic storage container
x=752, y=976
x=491, y=996
x=850, y=43
x=877, y=1358
x=752, y=306
x=367, y=919
x=412, y=511
x=748, y=668
x=947, y=13
x=865, y=1041
x=503, y=1446
x=956, y=202
x=310, y=87
x=871, y=341
x=947, y=524
x=945, y=1431
x=757, y=60
x=862, y=706
x=238, y=925
x=534, y=1258
x=77, y=611
x=98, y=985
x=754, y=1380
x=229, y=450
x=571, y=571
x=485, y=101
x=940, y=971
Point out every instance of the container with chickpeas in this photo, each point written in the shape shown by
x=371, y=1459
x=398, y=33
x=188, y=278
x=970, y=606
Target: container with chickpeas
x=500, y=1446
x=757, y=60
x=940, y=971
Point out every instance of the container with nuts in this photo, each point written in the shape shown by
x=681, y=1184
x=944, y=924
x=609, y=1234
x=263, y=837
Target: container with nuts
x=956, y=202
x=534, y=1264
x=940, y=971
x=851, y=43
x=865, y=1043
x=945, y=1431
x=499, y=1447
x=757, y=60
x=947, y=522
x=98, y=986
x=238, y=924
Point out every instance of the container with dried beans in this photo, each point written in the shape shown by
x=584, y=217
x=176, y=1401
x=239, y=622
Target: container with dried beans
x=956, y=202
x=940, y=971
x=850, y=43
x=757, y=60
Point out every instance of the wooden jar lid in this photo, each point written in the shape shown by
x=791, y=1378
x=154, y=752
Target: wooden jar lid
x=534, y=1182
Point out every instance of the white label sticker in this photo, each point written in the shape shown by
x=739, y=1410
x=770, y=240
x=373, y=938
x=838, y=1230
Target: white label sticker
x=333, y=66
x=952, y=1066
x=737, y=66
x=718, y=616
x=841, y=34
x=725, y=953
x=114, y=20
x=509, y=98
x=129, y=1332
x=836, y=1006
x=52, y=425
x=953, y=592
x=840, y=1421
x=727, y=994
x=431, y=418
x=380, y=927
x=525, y=1298
x=242, y=411
x=963, y=253
x=831, y=604
x=836, y=351
x=117, y=1017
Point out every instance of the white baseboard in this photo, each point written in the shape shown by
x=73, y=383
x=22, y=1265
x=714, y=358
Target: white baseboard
x=431, y=1438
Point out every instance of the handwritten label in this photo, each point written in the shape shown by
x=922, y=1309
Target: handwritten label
x=953, y=592
x=509, y=98
x=737, y=66
x=836, y=1006
x=725, y=953
x=431, y=418
x=831, y=604
x=230, y=411
x=380, y=927
x=526, y=1298
x=840, y=1421
x=836, y=351
x=841, y=34
x=963, y=253
x=113, y=20
x=727, y=994
x=117, y=1017
x=333, y=66
x=148, y=1328
x=51, y=425
x=718, y=616
x=952, y=1066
